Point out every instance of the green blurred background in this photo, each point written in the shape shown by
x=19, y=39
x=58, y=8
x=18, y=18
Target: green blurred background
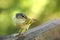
x=42, y=10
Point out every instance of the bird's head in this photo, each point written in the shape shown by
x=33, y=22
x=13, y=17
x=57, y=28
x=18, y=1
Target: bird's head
x=20, y=17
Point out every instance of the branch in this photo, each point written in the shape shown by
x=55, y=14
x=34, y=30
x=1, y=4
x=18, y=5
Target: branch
x=37, y=31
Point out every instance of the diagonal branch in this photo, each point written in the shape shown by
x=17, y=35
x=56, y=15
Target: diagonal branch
x=37, y=31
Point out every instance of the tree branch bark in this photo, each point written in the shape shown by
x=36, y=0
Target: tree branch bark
x=37, y=31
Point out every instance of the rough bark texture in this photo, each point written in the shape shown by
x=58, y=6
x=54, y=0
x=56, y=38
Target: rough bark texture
x=47, y=31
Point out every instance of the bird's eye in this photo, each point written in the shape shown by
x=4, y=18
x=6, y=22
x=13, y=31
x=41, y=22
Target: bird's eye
x=23, y=16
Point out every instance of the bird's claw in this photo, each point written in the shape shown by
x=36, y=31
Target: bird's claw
x=20, y=36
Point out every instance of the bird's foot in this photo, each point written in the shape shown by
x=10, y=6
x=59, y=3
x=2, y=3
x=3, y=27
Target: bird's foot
x=20, y=36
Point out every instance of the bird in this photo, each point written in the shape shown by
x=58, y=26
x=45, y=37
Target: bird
x=22, y=22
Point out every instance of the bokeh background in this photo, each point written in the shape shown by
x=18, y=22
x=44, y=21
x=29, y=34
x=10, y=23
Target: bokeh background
x=42, y=10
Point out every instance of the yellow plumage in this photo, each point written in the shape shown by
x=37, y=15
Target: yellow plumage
x=22, y=22
x=24, y=26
